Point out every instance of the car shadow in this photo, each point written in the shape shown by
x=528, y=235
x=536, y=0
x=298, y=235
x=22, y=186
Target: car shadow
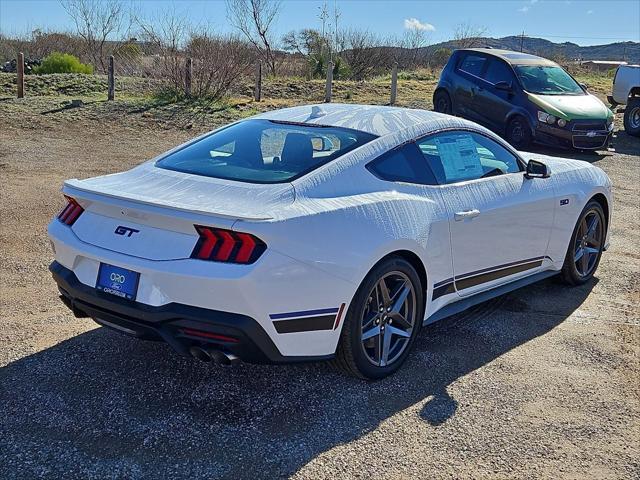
x=591, y=156
x=103, y=404
x=626, y=144
x=621, y=143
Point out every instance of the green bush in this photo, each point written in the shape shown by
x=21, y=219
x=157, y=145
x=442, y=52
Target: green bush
x=63, y=63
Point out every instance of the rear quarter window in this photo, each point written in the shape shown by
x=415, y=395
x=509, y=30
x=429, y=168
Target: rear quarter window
x=403, y=164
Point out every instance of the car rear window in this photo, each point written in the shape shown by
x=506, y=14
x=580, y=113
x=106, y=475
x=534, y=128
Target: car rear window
x=264, y=151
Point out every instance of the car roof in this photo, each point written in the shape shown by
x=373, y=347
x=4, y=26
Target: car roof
x=513, y=58
x=374, y=119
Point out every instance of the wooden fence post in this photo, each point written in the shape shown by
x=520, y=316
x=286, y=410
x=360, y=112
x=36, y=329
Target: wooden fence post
x=188, y=72
x=394, y=83
x=257, y=91
x=20, y=70
x=329, y=85
x=112, y=80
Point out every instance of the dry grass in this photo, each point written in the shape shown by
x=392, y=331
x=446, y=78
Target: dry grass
x=48, y=97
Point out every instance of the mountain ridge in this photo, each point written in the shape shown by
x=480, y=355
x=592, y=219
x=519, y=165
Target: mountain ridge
x=620, y=51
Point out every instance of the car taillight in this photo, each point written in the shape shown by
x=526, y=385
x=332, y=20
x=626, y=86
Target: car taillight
x=221, y=245
x=71, y=212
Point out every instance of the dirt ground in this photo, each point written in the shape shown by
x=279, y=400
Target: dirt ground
x=540, y=383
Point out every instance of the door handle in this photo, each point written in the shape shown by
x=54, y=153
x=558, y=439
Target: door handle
x=459, y=216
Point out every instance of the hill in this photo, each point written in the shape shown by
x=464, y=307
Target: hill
x=627, y=51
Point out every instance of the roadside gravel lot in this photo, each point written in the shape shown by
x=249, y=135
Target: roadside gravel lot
x=541, y=383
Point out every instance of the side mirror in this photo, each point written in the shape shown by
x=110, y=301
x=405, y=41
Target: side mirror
x=584, y=86
x=536, y=169
x=504, y=86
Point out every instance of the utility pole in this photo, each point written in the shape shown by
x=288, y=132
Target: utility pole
x=522, y=41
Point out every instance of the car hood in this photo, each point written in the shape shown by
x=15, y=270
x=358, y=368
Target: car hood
x=572, y=107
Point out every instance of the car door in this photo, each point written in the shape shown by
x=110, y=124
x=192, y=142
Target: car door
x=494, y=103
x=405, y=166
x=469, y=70
x=499, y=220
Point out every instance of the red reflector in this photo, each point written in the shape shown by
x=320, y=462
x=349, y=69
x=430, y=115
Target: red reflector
x=71, y=212
x=213, y=336
x=227, y=246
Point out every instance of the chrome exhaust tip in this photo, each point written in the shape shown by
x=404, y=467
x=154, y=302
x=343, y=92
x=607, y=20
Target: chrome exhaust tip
x=200, y=354
x=222, y=358
x=211, y=355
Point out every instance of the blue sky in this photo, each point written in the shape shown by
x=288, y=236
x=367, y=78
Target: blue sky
x=585, y=22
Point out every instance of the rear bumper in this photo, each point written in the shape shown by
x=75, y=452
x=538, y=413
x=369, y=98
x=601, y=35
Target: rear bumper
x=173, y=323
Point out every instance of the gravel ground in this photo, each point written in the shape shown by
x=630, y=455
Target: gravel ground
x=540, y=383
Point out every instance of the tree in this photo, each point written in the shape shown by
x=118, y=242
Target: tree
x=363, y=54
x=413, y=43
x=305, y=42
x=440, y=57
x=312, y=46
x=95, y=20
x=466, y=35
x=218, y=63
x=168, y=33
x=255, y=19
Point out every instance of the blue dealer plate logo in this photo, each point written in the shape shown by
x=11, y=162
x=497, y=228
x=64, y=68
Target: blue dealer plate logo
x=118, y=281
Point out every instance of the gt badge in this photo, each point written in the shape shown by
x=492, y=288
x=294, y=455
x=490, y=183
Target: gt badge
x=128, y=231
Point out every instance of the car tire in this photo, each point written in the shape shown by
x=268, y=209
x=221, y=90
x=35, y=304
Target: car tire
x=442, y=102
x=632, y=117
x=357, y=356
x=580, y=263
x=518, y=133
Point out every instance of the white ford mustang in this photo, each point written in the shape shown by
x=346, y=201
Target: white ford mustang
x=323, y=232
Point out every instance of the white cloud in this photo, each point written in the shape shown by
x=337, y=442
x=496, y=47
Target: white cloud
x=415, y=24
x=589, y=12
x=526, y=8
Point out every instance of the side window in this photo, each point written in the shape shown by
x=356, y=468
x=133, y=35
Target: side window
x=459, y=156
x=498, y=71
x=404, y=164
x=472, y=64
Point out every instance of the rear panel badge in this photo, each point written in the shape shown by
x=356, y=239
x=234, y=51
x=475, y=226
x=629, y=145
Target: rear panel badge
x=125, y=231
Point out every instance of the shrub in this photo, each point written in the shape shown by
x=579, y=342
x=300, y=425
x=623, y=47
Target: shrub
x=63, y=63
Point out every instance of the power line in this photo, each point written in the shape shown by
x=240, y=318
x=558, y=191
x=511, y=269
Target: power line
x=582, y=38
